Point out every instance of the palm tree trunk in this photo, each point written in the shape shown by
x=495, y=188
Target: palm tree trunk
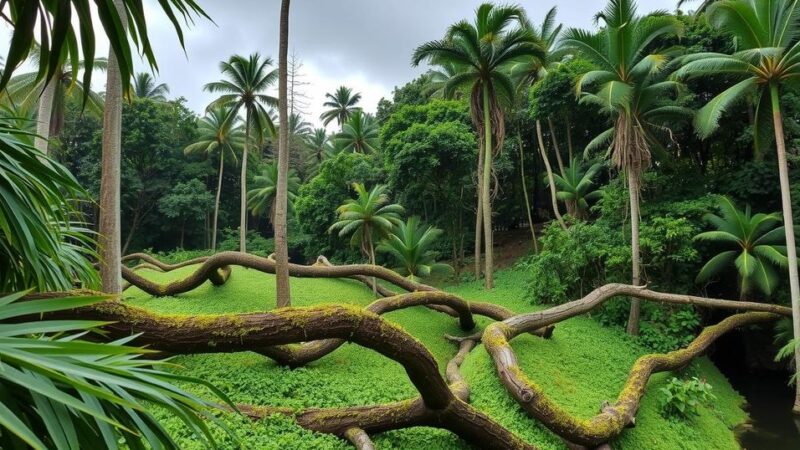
x=486, y=193
x=243, y=200
x=282, y=195
x=372, y=261
x=44, y=115
x=550, y=179
x=556, y=147
x=636, y=304
x=216, y=202
x=569, y=138
x=109, y=240
x=788, y=222
x=479, y=215
x=525, y=193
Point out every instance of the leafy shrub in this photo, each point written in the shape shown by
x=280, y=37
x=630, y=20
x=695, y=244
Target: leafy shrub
x=682, y=399
x=256, y=243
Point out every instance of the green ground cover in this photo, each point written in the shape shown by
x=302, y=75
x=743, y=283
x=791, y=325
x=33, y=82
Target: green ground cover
x=583, y=365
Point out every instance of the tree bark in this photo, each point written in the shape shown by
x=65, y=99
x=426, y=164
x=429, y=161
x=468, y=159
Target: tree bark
x=636, y=306
x=243, y=193
x=569, y=138
x=109, y=240
x=525, y=192
x=45, y=114
x=216, y=202
x=550, y=179
x=479, y=214
x=283, y=293
x=788, y=222
x=556, y=147
x=486, y=193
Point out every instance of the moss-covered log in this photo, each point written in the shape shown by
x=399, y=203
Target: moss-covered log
x=149, y=261
x=613, y=418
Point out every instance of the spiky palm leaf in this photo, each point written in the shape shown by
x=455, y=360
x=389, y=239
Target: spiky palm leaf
x=410, y=244
x=341, y=104
x=757, y=247
x=368, y=215
x=144, y=86
x=261, y=199
x=359, y=134
x=60, y=391
x=218, y=135
x=576, y=188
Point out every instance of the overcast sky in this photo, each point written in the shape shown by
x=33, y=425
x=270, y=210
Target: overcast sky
x=363, y=44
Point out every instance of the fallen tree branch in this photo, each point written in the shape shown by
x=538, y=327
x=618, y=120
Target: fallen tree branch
x=359, y=438
x=613, y=418
x=150, y=262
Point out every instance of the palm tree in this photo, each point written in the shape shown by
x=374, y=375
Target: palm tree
x=576, y=187
x=283, y=298
x=367, y=215
x=144, y=86
x=359, y=134
x=624, y=81
x=221, y=137
x=109, y=226
x=756, y=247
x=342, y=104
x=28, y=90
x=484, y=50
x=768, y=37
x=317, y=149
x=410, y=244
x=262, y=198
x=247, y=80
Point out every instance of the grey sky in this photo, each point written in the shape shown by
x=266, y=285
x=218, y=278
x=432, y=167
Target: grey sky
x=364, y=44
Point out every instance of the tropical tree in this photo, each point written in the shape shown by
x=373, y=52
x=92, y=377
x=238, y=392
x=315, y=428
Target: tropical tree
x=261, y=199
x=28, y=91
x=626, y=86
x=282, y=195
x=221, y=137
x=767, y=34
x=144, y=86
x=65, y=392
x=484, y=50
x=341, y=104
x=317, y=149
x=246, y=81
x=756, y=245
x=359, y=134
x=367, y=217
x=577, y=187
x=410, y=244
x=109, y=223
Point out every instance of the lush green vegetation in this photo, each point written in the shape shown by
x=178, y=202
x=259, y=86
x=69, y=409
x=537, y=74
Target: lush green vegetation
x=582, y=366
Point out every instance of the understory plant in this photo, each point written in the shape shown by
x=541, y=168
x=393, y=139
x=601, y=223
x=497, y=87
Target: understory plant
x=682, y=399
x=58, y=390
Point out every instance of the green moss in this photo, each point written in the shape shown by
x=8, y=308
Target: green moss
x=582, y=366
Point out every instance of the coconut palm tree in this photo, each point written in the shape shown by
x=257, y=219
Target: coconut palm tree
x=366, y=217
x=410, y=244
x=246, y=81
x=484, y=50
x=627, y=79
x=144, y=86
x=283, y=298
x=261, y=199
x=221, y=137
x=359, y=134
x=576, y=187
x=341, y=104
x=767, y=34
x=28, y=91
x=317, y=149
x=757, y=247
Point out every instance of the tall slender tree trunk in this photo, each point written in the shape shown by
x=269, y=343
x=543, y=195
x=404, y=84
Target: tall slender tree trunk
x=636, y=304
x=569, y=138
x=525, y=193
x=479, y=214
x=788, y=222
x=372, y=261
x=486, y=193
x=216, y=202
x=282, y=195
x=109, y=240
x=45, y=114
x=551, y=181
x=556, y=147
x=243, y=193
